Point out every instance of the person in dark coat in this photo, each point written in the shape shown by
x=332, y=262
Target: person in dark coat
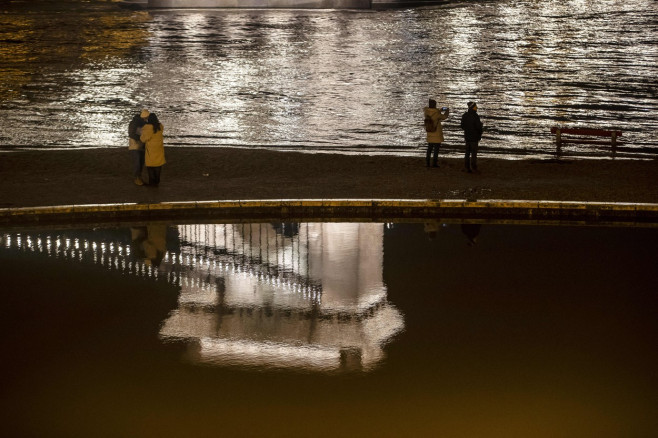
x=472, y=127
x=136, y=146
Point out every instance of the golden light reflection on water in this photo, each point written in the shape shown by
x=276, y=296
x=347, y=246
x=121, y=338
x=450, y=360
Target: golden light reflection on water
x=346, y=81
x=521, y=331
x=28, y=47
x=304, y=296
x=325, y=309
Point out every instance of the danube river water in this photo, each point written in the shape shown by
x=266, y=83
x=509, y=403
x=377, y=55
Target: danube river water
x=72, y=74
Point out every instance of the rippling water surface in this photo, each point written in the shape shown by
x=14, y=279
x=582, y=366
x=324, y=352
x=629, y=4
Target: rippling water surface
x=73, y=76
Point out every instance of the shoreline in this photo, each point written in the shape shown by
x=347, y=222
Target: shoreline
x=353, y=210
x=102, y=176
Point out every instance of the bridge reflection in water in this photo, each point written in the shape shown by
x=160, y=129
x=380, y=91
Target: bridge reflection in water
x=299, y=296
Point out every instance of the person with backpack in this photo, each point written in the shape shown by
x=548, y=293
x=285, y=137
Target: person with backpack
x=472, y=127
x=433, y=117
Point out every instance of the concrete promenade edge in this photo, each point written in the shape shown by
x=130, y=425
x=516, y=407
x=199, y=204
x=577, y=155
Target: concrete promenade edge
x=618, y=213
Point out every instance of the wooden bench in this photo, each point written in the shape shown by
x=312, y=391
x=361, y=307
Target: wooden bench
x=584, y=136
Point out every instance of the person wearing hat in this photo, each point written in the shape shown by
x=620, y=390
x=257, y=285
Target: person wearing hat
x=472, y=127
x=135, y=145
x=433, y=117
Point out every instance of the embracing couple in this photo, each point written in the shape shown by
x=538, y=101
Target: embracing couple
x=146, y=145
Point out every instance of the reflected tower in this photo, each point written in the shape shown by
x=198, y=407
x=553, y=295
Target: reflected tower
x=304, y=296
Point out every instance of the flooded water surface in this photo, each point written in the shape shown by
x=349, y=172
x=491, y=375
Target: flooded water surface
x=329, y=329
x=349, y=81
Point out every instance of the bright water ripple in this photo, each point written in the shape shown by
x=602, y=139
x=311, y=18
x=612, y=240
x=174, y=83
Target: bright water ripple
x=350, y=81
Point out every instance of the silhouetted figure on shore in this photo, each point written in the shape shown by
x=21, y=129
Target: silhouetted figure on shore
x=472, y=127
x=136, y=146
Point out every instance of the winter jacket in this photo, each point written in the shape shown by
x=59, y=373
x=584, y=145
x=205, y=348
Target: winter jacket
x=154, y=142
x=134, y=131
x=472, y=126
x=437, y=116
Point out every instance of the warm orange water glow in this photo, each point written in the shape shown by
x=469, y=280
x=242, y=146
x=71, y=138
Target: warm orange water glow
x=334, y=329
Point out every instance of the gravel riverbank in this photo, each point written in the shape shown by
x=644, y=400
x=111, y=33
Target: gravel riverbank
x=93, y=176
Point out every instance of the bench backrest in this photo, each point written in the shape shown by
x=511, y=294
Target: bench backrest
x=585, y=131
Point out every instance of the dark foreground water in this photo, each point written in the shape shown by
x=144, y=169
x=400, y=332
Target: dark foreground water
x=329, y=329
x=353, y=81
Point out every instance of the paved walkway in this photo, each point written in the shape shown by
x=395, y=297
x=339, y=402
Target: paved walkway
x=197, y=181
x=317, y=209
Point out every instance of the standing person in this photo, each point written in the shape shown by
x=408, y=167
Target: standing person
x=154, y=145
x=135, y=145
x=434, y=130
x=472, y=127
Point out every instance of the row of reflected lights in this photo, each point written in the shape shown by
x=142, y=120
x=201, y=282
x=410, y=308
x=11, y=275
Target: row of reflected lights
x=117, y=256
x=236, y=311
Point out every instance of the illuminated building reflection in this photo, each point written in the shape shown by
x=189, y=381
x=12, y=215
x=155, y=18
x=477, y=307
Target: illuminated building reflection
x=304, y=296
